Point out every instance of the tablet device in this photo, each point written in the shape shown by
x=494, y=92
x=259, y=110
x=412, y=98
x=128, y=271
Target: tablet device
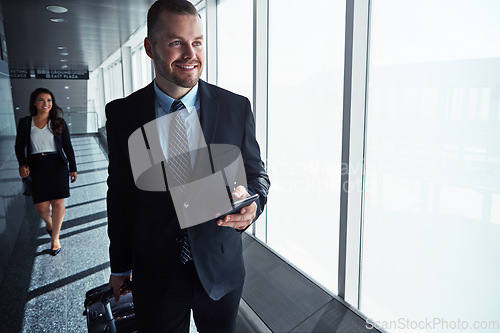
x=237, y=205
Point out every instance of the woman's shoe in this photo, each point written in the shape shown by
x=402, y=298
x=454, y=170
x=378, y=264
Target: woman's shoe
x=49, y=232
x=55, y=252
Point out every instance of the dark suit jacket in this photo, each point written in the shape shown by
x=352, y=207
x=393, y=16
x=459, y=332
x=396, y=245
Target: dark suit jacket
x=23, y=144
x=142, y=225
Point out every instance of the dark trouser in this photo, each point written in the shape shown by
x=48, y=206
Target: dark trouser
x=169, y=310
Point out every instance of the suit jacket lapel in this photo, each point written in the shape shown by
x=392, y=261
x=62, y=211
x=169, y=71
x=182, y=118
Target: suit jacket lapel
x=209, y=111
x=208, y=114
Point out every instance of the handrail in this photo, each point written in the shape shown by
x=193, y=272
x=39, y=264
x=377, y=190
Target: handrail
x=91, y=125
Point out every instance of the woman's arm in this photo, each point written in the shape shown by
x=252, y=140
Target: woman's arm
x=68, y=148
x=20, y=145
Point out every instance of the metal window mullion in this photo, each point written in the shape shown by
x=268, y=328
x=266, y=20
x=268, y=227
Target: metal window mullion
x=366, y=52
x=260, y=91
x=346, y=130
x=211, y=41
x=353, y=143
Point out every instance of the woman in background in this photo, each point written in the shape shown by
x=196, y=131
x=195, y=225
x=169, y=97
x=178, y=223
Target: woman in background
x=43, y=150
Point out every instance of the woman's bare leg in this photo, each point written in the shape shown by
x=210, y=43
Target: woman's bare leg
x=43, y=210
x=58, y=211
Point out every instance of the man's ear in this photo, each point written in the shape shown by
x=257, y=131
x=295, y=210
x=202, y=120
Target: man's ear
x=148, y=46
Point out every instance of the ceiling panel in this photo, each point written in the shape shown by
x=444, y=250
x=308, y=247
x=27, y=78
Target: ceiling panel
x=93, y=30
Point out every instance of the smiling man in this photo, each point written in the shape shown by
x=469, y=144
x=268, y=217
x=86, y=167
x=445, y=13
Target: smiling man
x=176, y=270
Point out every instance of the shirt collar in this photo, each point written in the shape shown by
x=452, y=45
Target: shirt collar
x=165, y=101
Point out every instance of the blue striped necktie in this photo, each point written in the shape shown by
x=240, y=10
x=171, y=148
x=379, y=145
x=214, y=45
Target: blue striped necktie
x=180, y=163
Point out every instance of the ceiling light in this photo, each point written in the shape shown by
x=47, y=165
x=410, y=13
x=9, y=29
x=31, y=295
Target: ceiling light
x=58, y=20
x=64, y=53
x=57, y=9
x=62, y=48
x=64, y=67
x=63, y=60
x=66, y=87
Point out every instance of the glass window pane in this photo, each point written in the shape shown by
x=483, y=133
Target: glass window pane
x=118, y=79
x=136, y=74
x=147, y=69
x=203, y=14
x=431, y=243
x=306, y=61
x=235, y=46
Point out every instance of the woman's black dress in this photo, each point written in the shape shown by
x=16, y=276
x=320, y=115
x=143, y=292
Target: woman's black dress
x=50, y=177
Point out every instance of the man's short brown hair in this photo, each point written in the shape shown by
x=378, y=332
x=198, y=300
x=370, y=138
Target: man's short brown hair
x=182, y=7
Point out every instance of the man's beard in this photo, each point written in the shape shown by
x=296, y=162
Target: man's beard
x=171, y=76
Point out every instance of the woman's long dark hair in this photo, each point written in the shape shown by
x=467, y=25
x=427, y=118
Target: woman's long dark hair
x=54, y=114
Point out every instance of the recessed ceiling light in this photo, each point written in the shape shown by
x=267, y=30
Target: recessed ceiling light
x=58, y=20
x=62, y=48
x=57, y=9
x=63, y=60
x=64, y=53
x=66, y=87
x=64, y=67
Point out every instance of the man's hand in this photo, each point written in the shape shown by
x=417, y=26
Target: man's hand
x=245, y=217
x=24, y=171
x=115, y=283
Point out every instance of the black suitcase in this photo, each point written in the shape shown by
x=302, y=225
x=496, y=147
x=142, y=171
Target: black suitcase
x=105, y=315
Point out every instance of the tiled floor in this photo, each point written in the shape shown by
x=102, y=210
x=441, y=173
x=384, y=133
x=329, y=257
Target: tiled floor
x=41, y=293
x=46, y=293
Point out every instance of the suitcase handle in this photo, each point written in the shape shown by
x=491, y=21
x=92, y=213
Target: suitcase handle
x=108, y=313
x=108, y=293
x=96, y=294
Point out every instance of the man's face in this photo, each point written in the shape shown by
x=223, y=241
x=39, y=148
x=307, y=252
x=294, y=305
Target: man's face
x=176, y=48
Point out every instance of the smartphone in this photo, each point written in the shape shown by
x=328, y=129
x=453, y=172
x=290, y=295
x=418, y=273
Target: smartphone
x=238, y=205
